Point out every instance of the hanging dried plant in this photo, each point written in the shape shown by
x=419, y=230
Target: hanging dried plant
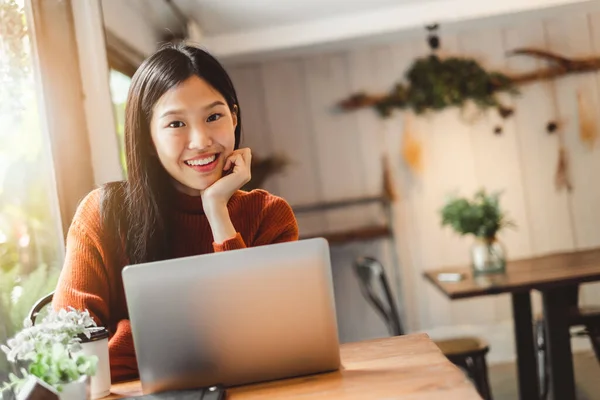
x=389, y=190
x=562, y=177
x=588, y=131
x=412, y=151
x=434, y=84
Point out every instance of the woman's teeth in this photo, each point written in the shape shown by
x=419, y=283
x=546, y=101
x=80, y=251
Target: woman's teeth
x=202, y=161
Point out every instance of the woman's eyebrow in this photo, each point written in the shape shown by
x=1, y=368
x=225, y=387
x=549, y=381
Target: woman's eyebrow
x=181, y=111
x=214, y=104
x=171, y=112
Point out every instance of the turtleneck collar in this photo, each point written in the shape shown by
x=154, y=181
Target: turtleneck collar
x=193, y=204
x=187, y=204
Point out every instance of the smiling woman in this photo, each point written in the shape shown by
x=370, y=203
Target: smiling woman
x=181, y=198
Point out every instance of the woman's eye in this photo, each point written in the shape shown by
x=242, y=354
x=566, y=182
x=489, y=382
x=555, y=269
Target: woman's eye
x=214, y=117
x=176, y=124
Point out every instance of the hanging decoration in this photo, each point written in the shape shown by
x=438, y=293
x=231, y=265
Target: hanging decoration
x=411, y=150
x=562, y=177
x=588, y=131
x=551, y=127
x=389, y=190
x=434, y=83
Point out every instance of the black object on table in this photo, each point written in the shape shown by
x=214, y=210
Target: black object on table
x=210, y=393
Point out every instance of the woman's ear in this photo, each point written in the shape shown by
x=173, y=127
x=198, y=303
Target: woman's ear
x=234, y=115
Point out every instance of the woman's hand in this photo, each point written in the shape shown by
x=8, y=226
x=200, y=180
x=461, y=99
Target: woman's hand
x=221, y=191
x=216, y=196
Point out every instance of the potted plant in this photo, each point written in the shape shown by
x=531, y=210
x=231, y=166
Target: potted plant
x=51, y=351
x=483, y=218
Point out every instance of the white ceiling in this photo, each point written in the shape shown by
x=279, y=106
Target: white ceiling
x=217, y=17
x=242, y=29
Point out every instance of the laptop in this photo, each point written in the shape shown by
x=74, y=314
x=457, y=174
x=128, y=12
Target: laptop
x=233, y=318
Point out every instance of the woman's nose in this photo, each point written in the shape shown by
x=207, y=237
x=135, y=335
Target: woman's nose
x=199, y=139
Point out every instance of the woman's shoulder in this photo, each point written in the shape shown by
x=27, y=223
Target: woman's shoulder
x=89, y=207
x=88, y=214
x=260, y=198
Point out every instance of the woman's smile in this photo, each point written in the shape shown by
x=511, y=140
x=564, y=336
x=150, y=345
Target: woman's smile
x=204, y=163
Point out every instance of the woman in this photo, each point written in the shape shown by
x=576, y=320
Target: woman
x=181, y=197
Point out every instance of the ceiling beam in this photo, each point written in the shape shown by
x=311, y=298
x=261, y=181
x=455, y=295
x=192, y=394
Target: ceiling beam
x=368, y=24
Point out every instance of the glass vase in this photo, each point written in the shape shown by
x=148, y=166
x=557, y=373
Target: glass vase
x=488, y=256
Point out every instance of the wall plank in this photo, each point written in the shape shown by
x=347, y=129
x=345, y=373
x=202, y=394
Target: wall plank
x=548, y=209
x=572, y=37
x=255, y=129
x=405, y=212
x=369, y=69
x=335, y=141
x=591, y=292
x=497, y=161
x=288, y=119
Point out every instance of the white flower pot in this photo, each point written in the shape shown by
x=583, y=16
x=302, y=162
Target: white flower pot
x=77, y=390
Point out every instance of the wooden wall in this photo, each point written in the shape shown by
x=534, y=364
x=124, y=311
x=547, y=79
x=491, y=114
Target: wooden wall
x=287, y=107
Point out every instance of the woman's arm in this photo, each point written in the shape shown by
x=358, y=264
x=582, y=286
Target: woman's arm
x=220, y=222
x=276, y=224
x=84, y=284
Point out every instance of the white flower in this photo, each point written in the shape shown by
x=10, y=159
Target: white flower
x=61, y=327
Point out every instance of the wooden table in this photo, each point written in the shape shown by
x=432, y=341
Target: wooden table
x=550, y=275
x=408, y=367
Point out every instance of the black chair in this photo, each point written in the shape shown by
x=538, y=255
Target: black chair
x=587, y=317
x=467, y=353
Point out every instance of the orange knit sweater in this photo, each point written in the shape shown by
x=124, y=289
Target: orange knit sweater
x=91, y=276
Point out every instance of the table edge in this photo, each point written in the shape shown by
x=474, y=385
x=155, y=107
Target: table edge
x=517, y=288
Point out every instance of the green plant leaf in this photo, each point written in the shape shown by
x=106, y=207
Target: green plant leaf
x=480, y=216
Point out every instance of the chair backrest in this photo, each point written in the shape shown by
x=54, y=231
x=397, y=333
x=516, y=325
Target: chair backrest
x=39, y=305
x=371, y=274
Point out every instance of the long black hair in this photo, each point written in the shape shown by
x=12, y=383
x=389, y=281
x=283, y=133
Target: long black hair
x=135, y=212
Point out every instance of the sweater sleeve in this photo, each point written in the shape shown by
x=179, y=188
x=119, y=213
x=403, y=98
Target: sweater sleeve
x=276, y=224
x=236, y=242
x=83, y=284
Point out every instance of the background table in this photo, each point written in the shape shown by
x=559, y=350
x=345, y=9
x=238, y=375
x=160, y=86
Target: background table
x=548, y=274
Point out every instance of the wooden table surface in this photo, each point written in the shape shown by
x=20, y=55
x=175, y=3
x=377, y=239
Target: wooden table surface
x=540, y=273
x=407, y=367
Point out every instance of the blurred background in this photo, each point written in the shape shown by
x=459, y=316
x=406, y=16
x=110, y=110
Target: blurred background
x=372, y=184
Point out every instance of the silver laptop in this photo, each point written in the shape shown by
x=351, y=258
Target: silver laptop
x=235, y=317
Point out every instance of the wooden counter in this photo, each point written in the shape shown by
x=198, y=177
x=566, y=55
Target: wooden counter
x=408, y=367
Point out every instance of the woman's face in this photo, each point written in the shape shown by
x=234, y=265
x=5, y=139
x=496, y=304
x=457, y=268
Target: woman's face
x=193, y=132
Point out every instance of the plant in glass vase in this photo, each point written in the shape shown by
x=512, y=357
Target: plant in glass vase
x=483, y=218
x=51, y=351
